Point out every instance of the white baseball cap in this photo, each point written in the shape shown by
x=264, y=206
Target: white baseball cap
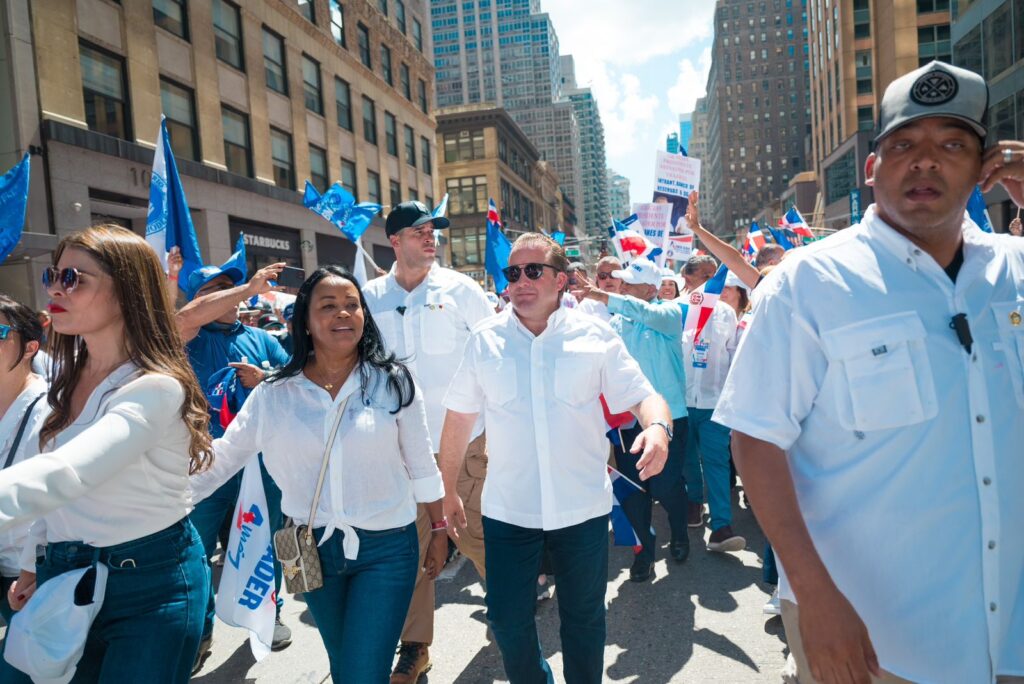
x=733, y=280
x=640, y=272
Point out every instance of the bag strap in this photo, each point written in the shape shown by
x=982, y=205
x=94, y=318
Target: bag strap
x=21, y=431
x=323, y=468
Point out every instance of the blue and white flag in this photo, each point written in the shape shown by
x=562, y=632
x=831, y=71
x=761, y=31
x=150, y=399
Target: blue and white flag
x=622, y=489
x=498, y=249
x=169, y=223
x=440, y=210
x=559, y=237
x=246, y=596
x=339, y=207
x=977, y=210
x=13, y=202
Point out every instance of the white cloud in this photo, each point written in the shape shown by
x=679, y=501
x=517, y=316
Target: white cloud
x=627, y=109
x=690, y=83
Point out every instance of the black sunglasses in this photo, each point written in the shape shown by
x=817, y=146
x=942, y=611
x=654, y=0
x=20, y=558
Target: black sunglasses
x=532, y=271
x=65, y=279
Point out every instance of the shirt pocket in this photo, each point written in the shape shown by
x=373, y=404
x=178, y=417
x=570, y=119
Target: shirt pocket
x=1010, y=324
x=885, y=377
x=498, y=379
x=438, y=321
x=389, y=323
x=576, y=378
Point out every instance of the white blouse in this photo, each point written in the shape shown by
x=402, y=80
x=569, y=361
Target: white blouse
x=118, y=473
x=381, y=464
x=13, y=539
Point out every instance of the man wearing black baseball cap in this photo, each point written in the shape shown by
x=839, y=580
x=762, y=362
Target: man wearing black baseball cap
x=425, y=313
x=885, y=465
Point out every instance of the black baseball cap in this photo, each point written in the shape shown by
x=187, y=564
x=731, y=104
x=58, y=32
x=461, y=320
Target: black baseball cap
x=410, y=215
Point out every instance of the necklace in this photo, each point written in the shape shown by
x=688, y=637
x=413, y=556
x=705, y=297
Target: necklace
x=330, y=385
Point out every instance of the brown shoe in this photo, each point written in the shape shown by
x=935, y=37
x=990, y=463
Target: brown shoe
x=694, y=515
x=723, y=539
x=413, y=661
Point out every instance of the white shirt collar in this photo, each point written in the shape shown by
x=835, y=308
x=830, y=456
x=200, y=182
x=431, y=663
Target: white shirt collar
x=554, y=320
x=392, y=280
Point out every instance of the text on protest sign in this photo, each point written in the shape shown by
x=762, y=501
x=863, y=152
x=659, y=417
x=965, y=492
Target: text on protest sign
x=676, y=175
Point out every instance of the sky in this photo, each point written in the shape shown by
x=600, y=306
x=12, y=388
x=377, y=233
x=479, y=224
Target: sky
x=647, y=62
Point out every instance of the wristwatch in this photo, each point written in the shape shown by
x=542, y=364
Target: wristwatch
x=662, y=423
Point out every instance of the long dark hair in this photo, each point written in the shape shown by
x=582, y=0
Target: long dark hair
x=373, y=355
x=23, y=321
x=151, y=334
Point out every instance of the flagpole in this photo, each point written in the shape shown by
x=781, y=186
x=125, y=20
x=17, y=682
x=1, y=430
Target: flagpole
x=623, y=476
x=361, y=250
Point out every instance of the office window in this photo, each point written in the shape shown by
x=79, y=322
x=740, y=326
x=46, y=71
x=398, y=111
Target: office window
x=373, y=187
x=318, y=168
x=337, y=22
x=348, y=177
x=307, y=10
x=864, y=73
x=382, y=5
x=274, y=62
x=396, y=193
x=968, y=50
x=410, y=147
x=998, y=28
x=925, y=6
x=281, y=157
x=414, y=196
x=343, y=102
x=369, y=120
x=861, y=19
x=421, y=95
x=403, y=79
x=1001, y=121
x=865, y=118
x=363, y=36
x=385, y=64
x=311, y=89
x=237, y=156
x=417, y=34
x=179, y=106
x=400, y=15
x=171, y=15
x=104, y=91
x=467, y=195
x=227, y=33
x=390, y=133
x=425, y=155
x=933, y=43
x=467, y=146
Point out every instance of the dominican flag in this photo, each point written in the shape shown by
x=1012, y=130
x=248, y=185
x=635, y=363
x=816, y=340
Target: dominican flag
x=701, y=303
x=631, y=244
x=755, y=238
x=497, y=250
x=795, y=222
x=622, y=489
x=781, y=238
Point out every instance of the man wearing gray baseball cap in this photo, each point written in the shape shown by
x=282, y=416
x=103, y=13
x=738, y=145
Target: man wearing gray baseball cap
x=885, y=466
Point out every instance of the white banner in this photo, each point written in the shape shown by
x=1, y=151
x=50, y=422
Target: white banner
x=679, y=248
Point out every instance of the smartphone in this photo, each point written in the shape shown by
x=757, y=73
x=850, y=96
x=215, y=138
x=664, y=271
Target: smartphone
x=291, y=277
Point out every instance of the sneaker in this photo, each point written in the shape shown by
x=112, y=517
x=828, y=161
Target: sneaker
x=205, y=649
x=773, y=607
x=413, y=661
x=282, y=636
x=695, y=515
x=723, y=540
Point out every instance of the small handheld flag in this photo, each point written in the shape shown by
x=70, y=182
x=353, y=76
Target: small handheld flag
x=498, y=249
x=977, y=210
x=339, y=207
x=13, y=203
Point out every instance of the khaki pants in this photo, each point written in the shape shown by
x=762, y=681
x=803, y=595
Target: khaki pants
x=419, y=624
x=797, y=671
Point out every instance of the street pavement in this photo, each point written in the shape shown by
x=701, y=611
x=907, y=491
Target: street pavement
x=696, y=622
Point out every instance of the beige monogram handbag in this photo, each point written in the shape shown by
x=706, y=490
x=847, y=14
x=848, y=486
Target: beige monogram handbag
x=295, y=546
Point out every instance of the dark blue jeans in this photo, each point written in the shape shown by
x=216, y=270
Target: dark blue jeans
x=209, y=515
x=361, y=607
x=667, y=487
x=579, y=559
x=149, y=627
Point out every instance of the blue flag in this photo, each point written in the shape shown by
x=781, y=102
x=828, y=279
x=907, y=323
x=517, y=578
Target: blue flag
x=169, y=223
x=13, y=202
x=977, y=210
x=339, y=207
x=498, y=249
x=780, y=238
x=559, y=237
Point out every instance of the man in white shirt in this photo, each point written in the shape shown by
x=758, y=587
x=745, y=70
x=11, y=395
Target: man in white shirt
x=535, y=371
x=876, y=403
x=604, y=281
x=425, y=313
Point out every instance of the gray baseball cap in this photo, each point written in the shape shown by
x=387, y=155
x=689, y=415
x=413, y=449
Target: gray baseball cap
x=936, y=89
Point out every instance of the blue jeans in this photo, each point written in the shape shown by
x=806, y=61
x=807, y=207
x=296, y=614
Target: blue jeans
x=149, y=626
x=361, y=607
x=209, y=515
x=708, y=442
x=579, y=559
x=667, y=487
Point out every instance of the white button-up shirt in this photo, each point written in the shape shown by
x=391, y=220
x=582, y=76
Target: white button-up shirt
x=598, y=310
x=427, y=328
x=381, y=463
x=905, y=450
x=707, y=362
x=547, y=451
x=12, y=541
x=118, y=473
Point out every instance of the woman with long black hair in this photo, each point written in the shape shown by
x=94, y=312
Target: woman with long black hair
x=381, y=464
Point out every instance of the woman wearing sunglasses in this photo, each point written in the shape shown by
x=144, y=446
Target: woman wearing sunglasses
x=379, y=466
x=127, y=424
x=22, y=409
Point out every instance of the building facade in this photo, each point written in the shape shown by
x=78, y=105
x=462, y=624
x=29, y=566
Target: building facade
x=485, y=155
x=685, y=130
x=758, y=108
x=593, y=164
x=619, y=203
x=258, y=98
x=856, y=50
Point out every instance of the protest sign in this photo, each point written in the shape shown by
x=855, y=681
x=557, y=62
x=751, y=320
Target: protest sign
x=654, y=217
x=675, y=177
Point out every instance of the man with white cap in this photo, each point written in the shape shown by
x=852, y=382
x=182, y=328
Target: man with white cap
x=652, y=331
x=884, y=463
